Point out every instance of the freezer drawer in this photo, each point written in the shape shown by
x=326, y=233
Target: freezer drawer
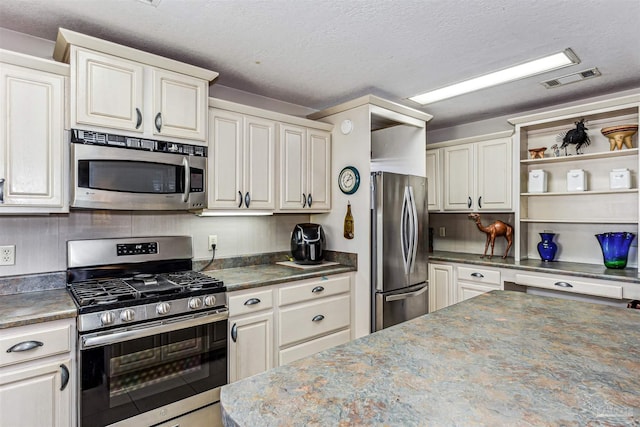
x=401, y=305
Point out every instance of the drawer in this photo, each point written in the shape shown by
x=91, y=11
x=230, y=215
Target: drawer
x=41, y=340
x=479, y=275
x=297, y=323
x=569, y=284
x=313, y=290
x=250, y=302
x=314, y=346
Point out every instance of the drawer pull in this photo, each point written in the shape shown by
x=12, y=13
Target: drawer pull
x=252, y=301
x=564, y=284
x=25, y=346
x=64, y=376
x=317, y=289
x=480, y=275
x=317, y=318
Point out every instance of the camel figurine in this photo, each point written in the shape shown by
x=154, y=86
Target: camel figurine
x=498, y=228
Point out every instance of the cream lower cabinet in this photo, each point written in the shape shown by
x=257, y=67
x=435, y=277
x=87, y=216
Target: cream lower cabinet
x=33, y=153
x=441, y=289
x=242, y=154
x=472, y=281
x=305, y=169
x=37, y=375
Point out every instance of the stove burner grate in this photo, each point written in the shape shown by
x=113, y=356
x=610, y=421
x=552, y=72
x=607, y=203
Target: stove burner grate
x=104, y=291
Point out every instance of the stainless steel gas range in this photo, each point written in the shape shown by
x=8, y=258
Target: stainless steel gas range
x=152, y=333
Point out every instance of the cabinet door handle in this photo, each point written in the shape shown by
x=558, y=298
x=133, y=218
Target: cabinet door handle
x=25, y=346
x=64, y=376
x=247, y=199
x=563, y=284
x=139, y=120
x=240, y=194
x=317, y=289
x=480, y=202
x=1, y=190
x=304, y=200
x=469, y=202
x=158, y=121
x=234, y=332
x=309, y=200
x=252, y=301
x=480, y=275
x=317, y=318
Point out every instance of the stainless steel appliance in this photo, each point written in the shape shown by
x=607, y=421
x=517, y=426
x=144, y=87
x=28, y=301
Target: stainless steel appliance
x=152, y=333
x=308, y=243
x=121, y=172
x=399, y=249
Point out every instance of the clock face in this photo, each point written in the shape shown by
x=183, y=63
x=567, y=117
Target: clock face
x=349, y=180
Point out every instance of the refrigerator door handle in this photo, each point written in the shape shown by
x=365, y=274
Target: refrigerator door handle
x=398, y=297
x=403, y=232
x=414, y=229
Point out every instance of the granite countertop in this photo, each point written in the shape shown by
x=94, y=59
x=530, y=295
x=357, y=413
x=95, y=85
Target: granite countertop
x=35, y=307
x=627, y=275
x=254, y=276
x=501, y=358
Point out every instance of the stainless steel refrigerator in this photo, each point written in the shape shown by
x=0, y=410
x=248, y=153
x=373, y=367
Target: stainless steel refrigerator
x=399, y=248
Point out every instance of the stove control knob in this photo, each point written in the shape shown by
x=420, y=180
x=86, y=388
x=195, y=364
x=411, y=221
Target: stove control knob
x=209, y=300
x=195, y=303
x=107, y=318
x=163, y=308
x=127, y=315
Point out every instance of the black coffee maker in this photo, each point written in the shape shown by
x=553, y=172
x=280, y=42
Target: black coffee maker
x=307, y=243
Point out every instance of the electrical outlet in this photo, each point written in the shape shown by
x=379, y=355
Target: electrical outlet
x=213, y=240
x=8, y=255
x=442, y=231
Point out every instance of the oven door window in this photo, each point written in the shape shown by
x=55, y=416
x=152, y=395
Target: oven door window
x=126, y=379
x=131, y=176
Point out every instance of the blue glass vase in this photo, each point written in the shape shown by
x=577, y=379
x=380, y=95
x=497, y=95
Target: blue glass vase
x=547, y=248
x=615, y=248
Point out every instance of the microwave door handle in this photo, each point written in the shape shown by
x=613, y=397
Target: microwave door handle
x=187, y=180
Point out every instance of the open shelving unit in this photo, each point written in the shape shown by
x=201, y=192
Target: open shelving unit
x=576, y=216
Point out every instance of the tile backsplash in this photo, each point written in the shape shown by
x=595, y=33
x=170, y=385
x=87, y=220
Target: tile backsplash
x=40, y=241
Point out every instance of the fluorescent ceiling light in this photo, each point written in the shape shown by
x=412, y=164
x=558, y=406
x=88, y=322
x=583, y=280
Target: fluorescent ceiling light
x=528, y=69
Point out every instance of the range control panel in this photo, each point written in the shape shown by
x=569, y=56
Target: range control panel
x=148, y=248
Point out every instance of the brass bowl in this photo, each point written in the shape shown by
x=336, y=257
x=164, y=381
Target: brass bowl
x=619, y=135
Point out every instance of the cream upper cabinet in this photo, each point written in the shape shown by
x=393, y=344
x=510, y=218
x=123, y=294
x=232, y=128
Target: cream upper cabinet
x=477, y=176
x=305, y=169
x=242, y=159
x=434, y=181
x=33, y=155
x=441, y=289
x=116, y=93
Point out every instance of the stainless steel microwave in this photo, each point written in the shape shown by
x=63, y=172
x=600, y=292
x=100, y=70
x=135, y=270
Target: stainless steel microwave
x=120, y=172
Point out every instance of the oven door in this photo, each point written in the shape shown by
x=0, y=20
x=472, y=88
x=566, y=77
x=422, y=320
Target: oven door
x=139, y=372
x=118, y=178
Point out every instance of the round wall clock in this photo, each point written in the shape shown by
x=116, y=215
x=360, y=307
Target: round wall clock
x=349, y=180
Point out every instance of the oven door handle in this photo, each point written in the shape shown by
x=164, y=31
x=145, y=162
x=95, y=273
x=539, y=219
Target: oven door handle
x=168, y=325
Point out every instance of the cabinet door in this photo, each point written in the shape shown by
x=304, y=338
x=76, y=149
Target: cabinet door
x=441, y=291
x=32, y=396
x=33, y=159
x=292, y=167
x=458, y=177
x=179, y=105
x=108, y=91
x=494, y=175
x=318, y=170
x=225, y=154
x=434, y=199
x=259, y=162
x=251, y=345
x=469, y=290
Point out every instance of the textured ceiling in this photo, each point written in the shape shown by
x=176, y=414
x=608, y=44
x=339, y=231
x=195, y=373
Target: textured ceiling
x=319, y=53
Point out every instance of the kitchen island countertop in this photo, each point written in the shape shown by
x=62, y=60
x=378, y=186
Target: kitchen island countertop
x=501, y=358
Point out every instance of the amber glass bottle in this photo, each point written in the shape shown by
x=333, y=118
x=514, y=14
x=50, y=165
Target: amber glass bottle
x=348, y=223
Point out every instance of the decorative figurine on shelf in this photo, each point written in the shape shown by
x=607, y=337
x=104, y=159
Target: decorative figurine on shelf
x=577, y=137
x=498, y=228
x=537, y=153
x=556, y=150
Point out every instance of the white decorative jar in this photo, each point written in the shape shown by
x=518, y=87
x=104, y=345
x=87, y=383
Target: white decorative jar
x=576, y=180
x=619, y=179
x=537, y=181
